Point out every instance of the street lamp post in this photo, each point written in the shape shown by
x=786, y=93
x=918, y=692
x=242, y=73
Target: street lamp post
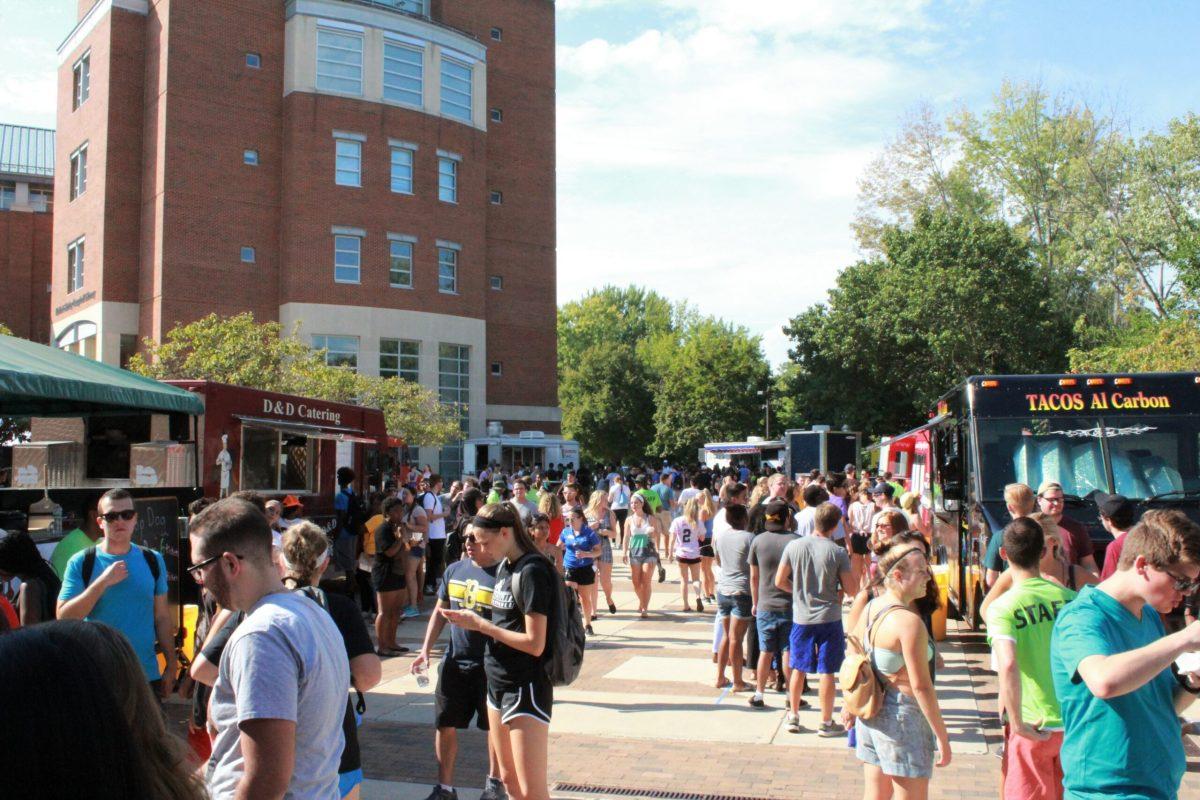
x=767, y=407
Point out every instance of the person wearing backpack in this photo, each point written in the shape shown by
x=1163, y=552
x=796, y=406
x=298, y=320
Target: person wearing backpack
x=896, y=739
x=520, y=690
x=351, y=516
x=124, y=585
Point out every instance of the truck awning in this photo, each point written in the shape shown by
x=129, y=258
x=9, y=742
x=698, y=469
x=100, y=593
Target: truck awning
x=36, y=380
x=900, y=437
x=311, y=431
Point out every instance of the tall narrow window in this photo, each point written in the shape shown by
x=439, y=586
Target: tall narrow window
x=456, y=89
x=340, y=351
x=447, y=180
x=454, y=390
x=403, y=73
x=339, y=61
x=398, y=358
x=447, y=270
x=400, y=264
x=81, y=75
x=8, y=195
x=402, y=170
x=78, y=172
x=348, y=163
x=347, y=259
x=75, y=265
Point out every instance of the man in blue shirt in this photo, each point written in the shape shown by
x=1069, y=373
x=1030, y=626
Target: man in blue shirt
x=123, y=591
x=348, y=509
x=1111, y=665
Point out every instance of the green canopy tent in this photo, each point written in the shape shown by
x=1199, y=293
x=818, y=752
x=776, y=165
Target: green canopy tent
x=36, y=380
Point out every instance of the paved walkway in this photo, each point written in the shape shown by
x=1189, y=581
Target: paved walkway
x=644, y=717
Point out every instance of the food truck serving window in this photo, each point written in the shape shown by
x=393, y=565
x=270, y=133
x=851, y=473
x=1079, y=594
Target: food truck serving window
x=274, y=460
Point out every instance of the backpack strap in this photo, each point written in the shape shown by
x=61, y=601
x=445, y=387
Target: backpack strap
x=89, y=563
x=151, y=561
x=872, y=623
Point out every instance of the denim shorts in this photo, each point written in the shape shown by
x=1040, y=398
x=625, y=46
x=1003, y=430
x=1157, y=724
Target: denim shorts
x=898, y=739
x=774, y=628
x=819, y=648
x=738, y=605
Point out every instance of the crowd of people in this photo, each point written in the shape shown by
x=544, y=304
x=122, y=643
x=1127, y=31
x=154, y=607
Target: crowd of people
x=829, y=575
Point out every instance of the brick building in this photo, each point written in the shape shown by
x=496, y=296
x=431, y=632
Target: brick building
x=379, y=173
x=26, y=203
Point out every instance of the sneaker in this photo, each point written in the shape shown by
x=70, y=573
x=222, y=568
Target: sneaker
x=757, y=702
x=662, y=574
x=699, y=605
x=410, y=612
x=830, y=729
x=493, y=789
x=793, y=723
x=439, y=793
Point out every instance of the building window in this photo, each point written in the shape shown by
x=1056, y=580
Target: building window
x=497, y=34
x=497, y=283
x=278, y=461
x=340, y=351
x=250, y=157
x=8, y=195
x=81, y=75
x=402, y=170
x=410, y=6
x=79, y=172
x=454, y=389
x=398, y=358
x=75, y=254
x=347, y=259
x=339, y=61
x=400, y=264
x=447, y=180
x=447, y=270
x=497, y=115
x=497, y=369
x=253, y=60
x=497, y=198
x=129, y=345
x=456, y=89
x=348, y=163
x=41, y=198
x=79, y=338
x=247, y=255
x=403, y=74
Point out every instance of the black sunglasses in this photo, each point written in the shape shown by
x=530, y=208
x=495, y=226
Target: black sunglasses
x=194, y=569
x=113, y=516
x=1184, y=585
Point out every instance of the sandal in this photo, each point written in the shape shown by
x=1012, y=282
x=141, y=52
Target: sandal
x=390, y=652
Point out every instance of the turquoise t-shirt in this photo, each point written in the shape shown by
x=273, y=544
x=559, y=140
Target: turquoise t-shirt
x=129, y=605
x=1126, y=747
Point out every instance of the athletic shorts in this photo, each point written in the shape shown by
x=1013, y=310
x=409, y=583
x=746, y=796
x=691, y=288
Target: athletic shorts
x=898, y=739
x=387, y=582
x=417, y=553
x=774, y=630
x=706, y=551
x=859, y=544
x=737, y=605
x=584, y=576
x=460, y=695
x=348, y=780
x=683, y=560
x=643, y=555
x=818, y=648
x=1032, y=770
x=535, y=699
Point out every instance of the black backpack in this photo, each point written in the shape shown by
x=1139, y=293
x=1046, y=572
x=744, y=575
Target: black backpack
x=89, y=563
x=565, y=635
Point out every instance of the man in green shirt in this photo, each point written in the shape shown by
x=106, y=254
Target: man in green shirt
x=1019, y=624
x=81, y=538
x=1111, y=663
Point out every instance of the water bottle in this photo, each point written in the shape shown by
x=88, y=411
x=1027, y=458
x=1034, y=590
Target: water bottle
x=422, y=677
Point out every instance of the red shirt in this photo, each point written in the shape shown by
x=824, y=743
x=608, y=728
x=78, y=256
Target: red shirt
x=1113, y=555
x=1079, y=544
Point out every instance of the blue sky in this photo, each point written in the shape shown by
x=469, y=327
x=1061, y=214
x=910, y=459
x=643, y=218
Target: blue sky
x=710, y=149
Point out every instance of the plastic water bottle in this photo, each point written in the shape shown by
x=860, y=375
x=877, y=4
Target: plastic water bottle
x=422, y=677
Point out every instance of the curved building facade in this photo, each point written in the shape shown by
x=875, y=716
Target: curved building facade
x=378, y=174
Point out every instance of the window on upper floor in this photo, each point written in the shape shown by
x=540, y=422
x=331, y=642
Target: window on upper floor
x=340, y=351
x=253, y=60
x=248, y=255
x=497, y=369
x=400, y=263
x=79, y=172
x=41, y=198
x=403, y=73
x=497, y=283
x=448, y=270
x=402, y=170
x=496, y=198
x=497, y=34
x=8, y=195
x=75, y=251
x=497, y=115
x=447, y=179
x=250, y=157
x=339, y=61
x=347, y=259
x=411, y=6
x=399, y=358
x=81, y=79
x=348, y=162
x=456, y=89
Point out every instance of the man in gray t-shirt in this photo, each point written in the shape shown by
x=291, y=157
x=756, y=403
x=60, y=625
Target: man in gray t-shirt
x=280, y=696
x=816, y=571
x=772, y=605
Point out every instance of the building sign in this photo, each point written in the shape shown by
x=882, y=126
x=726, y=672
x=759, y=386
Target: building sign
x=1042, y=402
x=305, y=411
x=86, y=297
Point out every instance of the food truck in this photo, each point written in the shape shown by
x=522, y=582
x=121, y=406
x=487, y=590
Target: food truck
x=754, y=452
x=906, y=456
x=523, y=449
x=1137, y=435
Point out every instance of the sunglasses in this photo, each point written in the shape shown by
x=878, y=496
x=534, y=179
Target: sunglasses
x=113, y=516
x=1184, y=585
x=194, y=569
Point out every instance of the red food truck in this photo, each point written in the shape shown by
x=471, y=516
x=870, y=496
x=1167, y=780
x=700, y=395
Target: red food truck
x=279, y=444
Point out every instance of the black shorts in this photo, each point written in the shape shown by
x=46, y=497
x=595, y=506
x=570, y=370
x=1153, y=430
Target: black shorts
x=858, y=544
x=535, y=699
x=386, y=581
x=582, y=576
x=682, y=560
x=706, y=551
x=460, y=695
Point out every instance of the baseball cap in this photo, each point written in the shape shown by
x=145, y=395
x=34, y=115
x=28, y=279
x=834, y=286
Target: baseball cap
x=775, y=516
x=499, y=484
x=291, y=501
x=1116, y=507
x=849, y=467
x=883, y=488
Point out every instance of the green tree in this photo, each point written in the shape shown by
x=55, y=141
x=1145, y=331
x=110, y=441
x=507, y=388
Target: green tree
x=5, y=330
x=1146, y=344
x=951, y=296
x=240, y=351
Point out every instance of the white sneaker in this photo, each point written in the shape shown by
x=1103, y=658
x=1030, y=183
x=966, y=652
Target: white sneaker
x=793, y=722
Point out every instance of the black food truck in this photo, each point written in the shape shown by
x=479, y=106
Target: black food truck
x=1133, y=434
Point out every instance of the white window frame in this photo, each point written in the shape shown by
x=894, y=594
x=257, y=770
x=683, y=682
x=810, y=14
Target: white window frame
x=342, y=175
x=250, y=157
x=322, y=341
x=496, y=197
x=346, y=242
x=78, y=178
x=407, y=364
x=327, y=79
x=252, y=252
x=497, y=34
x=403, y=95
x=496, y=115
x=81, y=80
x=448, y=177
x=496, y=282
x=8, y=195
x=497, y=369
x=452, y=100
x=405, y=242
x=257, y=56
x=76, y=256
x=409, y=151
x=448, y=260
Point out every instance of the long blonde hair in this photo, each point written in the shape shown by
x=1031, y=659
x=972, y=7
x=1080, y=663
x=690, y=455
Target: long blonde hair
x=760, y=489
x=548, y=504
x=594, y=502
x=304, y=553
x=691, y=509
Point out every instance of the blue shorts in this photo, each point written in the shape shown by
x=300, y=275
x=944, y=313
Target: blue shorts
x=348, y=780
x=774, y=628
x=818, y=648
x=898, y=739
x=738, y=605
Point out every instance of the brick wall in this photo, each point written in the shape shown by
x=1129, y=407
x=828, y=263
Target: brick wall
x=25, y=272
